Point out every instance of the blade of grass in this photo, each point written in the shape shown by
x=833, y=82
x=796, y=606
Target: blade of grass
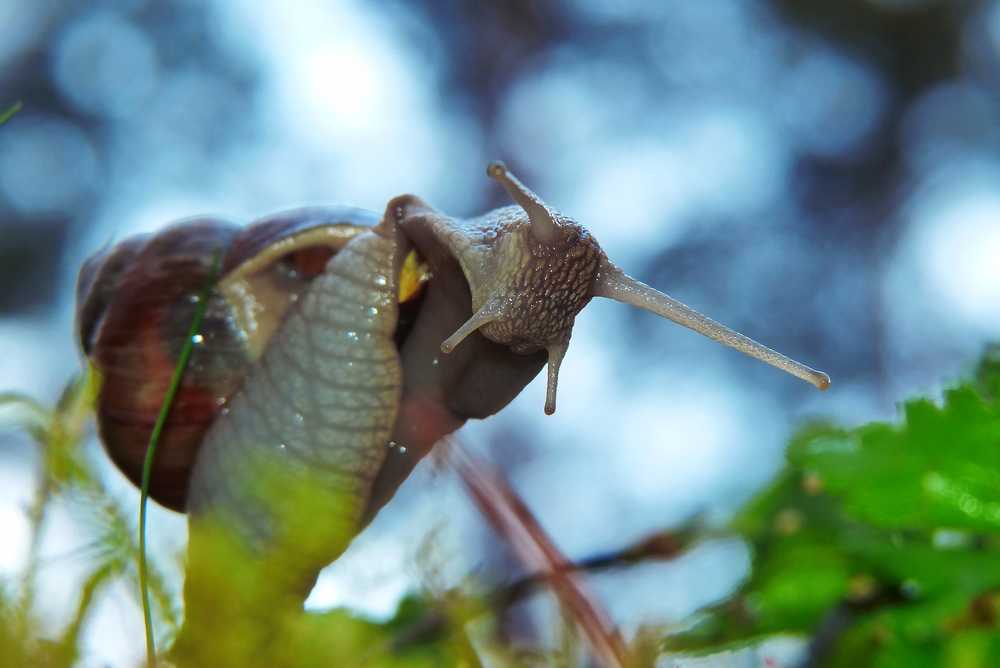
x=37, y=421
x=30, y=415
x=58, y=433
x=66, y=649
x=154, y=437
x=7, y=114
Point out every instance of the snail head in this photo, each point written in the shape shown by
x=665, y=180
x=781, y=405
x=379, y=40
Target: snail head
x=530, y=271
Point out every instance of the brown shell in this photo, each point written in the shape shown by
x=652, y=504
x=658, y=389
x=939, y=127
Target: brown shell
x=135, y=303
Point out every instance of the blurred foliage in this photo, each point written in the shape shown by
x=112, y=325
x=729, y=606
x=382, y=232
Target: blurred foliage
x=332, y=638
x=881, y=543
x=68, y=474
x=240, y=611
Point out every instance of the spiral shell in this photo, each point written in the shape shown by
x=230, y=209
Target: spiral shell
x=136, y=301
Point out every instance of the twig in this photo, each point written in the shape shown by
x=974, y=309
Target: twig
x=664, y=546
x=504, y=509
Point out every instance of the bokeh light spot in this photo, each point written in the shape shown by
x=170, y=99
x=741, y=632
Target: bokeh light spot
x=47, y=166
x=957, y=242
x=832, y=103
x=105, y=65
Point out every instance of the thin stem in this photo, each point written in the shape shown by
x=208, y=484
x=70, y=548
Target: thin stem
x=8, y=113
x=37, y=514
x=147, y=467
x=67, y=647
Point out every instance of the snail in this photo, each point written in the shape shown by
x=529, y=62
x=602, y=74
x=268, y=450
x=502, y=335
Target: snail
x=340, y=344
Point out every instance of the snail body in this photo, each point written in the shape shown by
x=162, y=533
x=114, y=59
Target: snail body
x=311, y=362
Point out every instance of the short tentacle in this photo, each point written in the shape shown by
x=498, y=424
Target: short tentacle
x=488, y=313
x=556, y=353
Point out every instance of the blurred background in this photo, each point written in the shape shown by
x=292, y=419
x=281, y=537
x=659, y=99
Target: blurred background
x=822, y=176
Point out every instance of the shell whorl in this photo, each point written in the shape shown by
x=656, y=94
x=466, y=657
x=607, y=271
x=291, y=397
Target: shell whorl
x=135, y=303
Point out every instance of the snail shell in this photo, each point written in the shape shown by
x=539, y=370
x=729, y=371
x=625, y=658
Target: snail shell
x=135, y=305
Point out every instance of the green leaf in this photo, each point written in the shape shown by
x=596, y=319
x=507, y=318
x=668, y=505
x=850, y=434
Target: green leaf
x=941, y=468
x=154, y=437
x=888, y=534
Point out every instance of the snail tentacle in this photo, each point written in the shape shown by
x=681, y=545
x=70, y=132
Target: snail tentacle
x=556, y=353
x=613, y=283
x=491, y=312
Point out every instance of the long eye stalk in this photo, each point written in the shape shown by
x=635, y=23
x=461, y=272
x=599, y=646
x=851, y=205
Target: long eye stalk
x=615, y=284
